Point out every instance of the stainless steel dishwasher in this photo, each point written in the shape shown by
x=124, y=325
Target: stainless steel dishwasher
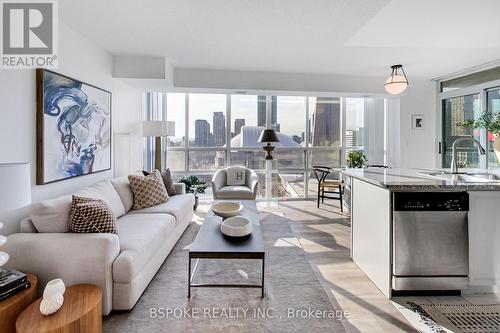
x=430, y=241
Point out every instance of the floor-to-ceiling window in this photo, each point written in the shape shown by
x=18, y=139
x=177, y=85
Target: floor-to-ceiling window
x=216, y=130
x=467, y=98
x=455, y=111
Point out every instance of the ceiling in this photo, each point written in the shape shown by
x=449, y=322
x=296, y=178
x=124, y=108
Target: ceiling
x=348, y=37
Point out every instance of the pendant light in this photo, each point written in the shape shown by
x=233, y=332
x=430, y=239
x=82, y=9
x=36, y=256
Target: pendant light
x=397, y=82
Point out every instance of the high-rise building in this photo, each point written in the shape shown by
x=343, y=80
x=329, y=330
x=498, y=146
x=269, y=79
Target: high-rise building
x=261, y=112
x=326, y=122
x=201, y=132
x=219, y=129
x=238, y=124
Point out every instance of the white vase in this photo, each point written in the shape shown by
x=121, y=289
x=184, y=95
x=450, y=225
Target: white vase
x=51, y=304
x=53, y=287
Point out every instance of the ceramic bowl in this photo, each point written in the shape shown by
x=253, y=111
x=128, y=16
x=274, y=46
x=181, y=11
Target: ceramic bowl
x=227, y=209
x=236, y=226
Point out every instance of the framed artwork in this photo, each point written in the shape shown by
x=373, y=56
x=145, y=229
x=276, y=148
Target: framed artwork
x=73, y=128
x=417, y=122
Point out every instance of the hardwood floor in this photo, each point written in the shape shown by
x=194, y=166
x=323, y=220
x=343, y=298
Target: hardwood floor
x=324, y=234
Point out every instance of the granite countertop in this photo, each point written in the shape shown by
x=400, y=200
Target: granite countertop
x=416, y=180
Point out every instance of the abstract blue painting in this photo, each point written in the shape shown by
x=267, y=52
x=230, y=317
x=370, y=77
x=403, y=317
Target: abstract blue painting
x=73, y=128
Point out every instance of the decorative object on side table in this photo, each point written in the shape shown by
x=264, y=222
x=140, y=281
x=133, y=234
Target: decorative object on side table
x=53, y=298
x=490, y=122
x=13, y=306
x=194, y=185
x=268, y=136
x=81, y=312
x=73, y=128
x=227, y=209
x=355, y=159
x=236, y=226
x=158, y=129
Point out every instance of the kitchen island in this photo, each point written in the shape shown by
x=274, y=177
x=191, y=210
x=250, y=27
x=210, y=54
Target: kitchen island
x=426, y=229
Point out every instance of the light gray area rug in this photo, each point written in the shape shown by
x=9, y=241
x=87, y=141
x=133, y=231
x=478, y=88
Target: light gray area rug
x=295, y=300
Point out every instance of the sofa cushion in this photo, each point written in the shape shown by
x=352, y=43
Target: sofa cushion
x=91, y=216
x=232, y=192
x=122, y=187
x=148, y=191
x=141, y=236
x=52, y=215
x=179, y=206
x=104, y=191
x=167, y=181
x=235, y=176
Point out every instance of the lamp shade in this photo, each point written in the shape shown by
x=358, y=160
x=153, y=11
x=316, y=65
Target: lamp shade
x=268, y=135
x=397, y=82
x=158, y=128
x=15, y=186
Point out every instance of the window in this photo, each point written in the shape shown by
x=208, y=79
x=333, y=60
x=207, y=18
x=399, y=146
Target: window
x=246, y=112
x=207, y=114
x=288, y=116
x=493, y=105
x=456, y=110
x=216, y=130
x=176, y=112
x=355, y=123
x=325, y=122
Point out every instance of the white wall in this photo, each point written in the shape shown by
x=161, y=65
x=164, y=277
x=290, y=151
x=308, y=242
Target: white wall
x=418, y=148
x=81, y=59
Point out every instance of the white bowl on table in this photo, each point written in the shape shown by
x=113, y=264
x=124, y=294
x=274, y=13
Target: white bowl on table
x=236, y=226
x=227, y=209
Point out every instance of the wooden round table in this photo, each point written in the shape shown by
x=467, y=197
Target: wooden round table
x=81, y=312
x=14, y=305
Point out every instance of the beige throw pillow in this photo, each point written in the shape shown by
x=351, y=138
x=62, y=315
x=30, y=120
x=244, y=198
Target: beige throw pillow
x=235, y=176
x=148, y=191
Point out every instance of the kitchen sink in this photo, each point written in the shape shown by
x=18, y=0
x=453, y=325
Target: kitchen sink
x=463, y=177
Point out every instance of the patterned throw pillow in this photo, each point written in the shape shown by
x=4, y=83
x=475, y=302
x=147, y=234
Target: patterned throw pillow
x=167, y=181
x=148, y=191
x=91, y=216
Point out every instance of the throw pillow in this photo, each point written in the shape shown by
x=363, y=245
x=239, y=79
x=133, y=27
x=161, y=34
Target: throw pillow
x=167, y=181
x=148, y=191
x=91, y=216
x=236, y=176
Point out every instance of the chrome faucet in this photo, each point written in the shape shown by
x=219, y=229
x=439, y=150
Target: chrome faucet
x=454, y=165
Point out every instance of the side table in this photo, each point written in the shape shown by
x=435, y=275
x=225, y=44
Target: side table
x=11, y=307
x=81, y=312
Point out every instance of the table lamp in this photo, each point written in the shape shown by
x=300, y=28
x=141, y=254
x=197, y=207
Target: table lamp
x=158, y=129
x=268, y=135
x=15, y=192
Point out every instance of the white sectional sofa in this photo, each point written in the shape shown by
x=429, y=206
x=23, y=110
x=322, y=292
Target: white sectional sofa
x=121, y=265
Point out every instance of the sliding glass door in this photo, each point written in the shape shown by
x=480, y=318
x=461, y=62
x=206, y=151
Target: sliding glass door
x=457, y=110
x=493, y=106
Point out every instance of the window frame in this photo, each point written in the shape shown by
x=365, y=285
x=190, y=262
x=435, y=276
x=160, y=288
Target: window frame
x=306, y=170
x=481, y=90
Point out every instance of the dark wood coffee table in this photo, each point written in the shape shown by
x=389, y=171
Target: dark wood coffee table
x=210, y=243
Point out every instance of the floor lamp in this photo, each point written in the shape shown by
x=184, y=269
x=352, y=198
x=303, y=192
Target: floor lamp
x=158, y=129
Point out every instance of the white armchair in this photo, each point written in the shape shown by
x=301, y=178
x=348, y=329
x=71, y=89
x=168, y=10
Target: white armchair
x=235, y=192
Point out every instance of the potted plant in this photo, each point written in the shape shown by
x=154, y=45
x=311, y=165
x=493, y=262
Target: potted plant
x=194, y=185
x=490, y=122
x=355, y=159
